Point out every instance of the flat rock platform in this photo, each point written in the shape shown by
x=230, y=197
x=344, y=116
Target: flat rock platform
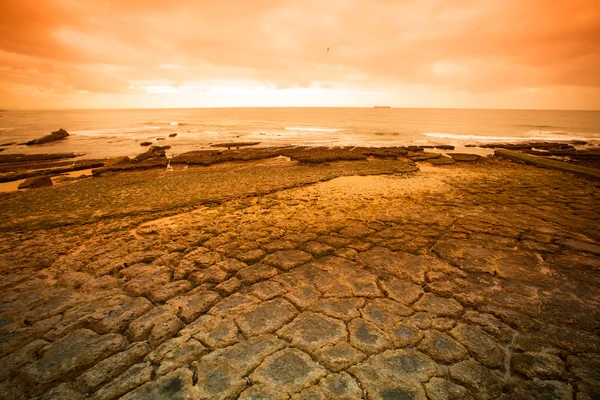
x=368, y=279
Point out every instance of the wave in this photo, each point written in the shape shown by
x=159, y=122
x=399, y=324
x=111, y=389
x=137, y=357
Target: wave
x=114, y=131
x=312, y=129
x=530, y=126
x=386, y=133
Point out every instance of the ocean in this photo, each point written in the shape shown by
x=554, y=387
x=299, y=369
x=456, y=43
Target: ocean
x=110, y=133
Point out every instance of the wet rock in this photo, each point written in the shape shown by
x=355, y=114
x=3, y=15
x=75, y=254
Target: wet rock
x=441, y=389
x=36, y=182
x=538, y=365
x=68, y=356
x=339, y=356
x=56, y=135
x=310, y=331
x=368, y=337
x=288, y=371
x=482, y=346
x=266, y=317
x=130, y=379
x=479, y=380
x=287, y=259
x=438, y=305
x=146, y=144
x=442, y=348
x=539, y=390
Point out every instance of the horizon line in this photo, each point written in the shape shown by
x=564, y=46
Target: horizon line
x=2, y=109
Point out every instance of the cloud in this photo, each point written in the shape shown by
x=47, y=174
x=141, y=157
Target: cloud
x=476, y=46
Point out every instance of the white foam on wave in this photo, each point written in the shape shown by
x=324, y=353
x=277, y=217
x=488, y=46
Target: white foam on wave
x=311, y=129
x=174, y=123
x=114, y=131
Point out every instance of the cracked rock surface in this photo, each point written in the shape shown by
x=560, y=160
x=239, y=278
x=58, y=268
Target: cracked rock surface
x=475, y=281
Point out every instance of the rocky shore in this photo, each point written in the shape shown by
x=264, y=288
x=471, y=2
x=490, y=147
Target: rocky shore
x=347, y=273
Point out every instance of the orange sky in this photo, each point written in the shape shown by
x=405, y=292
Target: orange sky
x=208, y=53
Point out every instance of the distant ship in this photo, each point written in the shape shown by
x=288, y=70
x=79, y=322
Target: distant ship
x=382, y=107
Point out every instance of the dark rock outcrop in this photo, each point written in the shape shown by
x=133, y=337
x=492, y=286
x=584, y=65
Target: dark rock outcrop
x=465, y=157
x=153, y=158
x=56, y=135
x=36, y=182
x=146, y=144
x=234, y=144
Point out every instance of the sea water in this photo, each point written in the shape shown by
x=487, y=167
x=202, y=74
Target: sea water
x=110, y=133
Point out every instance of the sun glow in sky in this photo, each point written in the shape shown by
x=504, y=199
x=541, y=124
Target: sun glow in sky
x=201, y=53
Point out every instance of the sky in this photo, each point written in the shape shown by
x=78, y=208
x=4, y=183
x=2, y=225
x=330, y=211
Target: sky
x=532, y=54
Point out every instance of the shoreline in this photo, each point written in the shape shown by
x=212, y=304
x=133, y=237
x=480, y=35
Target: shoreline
x=18, y=167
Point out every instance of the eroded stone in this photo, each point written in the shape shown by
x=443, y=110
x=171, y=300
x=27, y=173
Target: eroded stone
x=367, y=337
x=68, y=356
x=289, y=371
x=481, y=345
x=266, y=317
x=310, y=331
x=442, y=348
